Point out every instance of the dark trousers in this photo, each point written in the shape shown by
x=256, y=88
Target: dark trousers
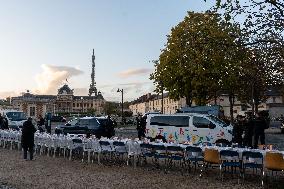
x=248, y=141
x=258, y=136
x=31, y=151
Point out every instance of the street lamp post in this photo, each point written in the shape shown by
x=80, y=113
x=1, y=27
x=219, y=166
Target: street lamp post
x=162, y=88
x=121, y=90
x=82, y=104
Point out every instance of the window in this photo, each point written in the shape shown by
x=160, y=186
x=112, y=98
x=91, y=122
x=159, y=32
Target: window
x=177, y=121
x=73, y=104
x=201, y=122
x=32, y=111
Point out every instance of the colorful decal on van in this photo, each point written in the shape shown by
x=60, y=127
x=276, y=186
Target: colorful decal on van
x=146, y=131
x=160, y=131
x=165, y=135
x=176, y=136
x=221, y=134
x=181, y=131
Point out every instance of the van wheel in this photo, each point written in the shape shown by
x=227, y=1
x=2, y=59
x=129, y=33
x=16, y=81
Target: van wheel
x=223, y=141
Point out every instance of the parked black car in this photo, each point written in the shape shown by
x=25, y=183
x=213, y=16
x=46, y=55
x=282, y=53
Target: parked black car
x=87, y=125
x=58, y=119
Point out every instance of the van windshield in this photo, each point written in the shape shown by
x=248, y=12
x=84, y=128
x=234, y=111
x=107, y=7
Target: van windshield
x=217, y=120
x=16, y=116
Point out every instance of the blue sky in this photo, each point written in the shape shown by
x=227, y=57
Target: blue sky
x=44, y=42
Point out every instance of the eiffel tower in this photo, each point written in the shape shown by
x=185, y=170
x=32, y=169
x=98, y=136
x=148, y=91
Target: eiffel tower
x=93, y=89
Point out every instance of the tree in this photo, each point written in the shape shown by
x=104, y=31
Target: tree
x=110, y=108
x=201, y=57
x=262, y=34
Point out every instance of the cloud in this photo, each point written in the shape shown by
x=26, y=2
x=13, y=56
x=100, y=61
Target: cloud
x=6, y=94
x=131, y=90
x=81, y=91
x=134, y=72
x=53, y=76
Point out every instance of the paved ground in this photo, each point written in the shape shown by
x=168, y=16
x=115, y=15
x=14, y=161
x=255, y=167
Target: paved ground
x=48, y=172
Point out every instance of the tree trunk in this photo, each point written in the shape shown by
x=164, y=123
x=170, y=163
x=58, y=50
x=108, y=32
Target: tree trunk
x=232, y=101
x=188, y=100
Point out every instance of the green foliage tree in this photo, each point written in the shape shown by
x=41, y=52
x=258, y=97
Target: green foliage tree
x=262, y=34
x=110, y=108
x=201, y=57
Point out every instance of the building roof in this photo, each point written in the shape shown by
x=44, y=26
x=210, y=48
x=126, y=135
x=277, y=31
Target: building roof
x=65, y=89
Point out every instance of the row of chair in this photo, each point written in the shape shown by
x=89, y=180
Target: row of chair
x=235, y=162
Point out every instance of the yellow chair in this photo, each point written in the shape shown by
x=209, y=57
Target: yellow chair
x=274, y=161
x=212, y=156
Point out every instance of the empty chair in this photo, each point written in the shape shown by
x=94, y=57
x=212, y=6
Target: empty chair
x=230, y=159
x=160, y=153
x=211, y=157
x=87, y=147
x=106, y=148
x=146, y=151
x=175, y=154
x=74, y=145
x=254, y=161
x=120, y=149
x=133, y=150
x=193, y=155
x=274, y=162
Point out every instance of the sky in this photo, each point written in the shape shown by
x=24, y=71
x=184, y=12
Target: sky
x=43, y=43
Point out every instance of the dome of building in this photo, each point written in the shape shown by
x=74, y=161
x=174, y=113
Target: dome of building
x=65, y=89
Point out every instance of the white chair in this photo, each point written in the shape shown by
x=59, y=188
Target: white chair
x=74, y=144
x=120, y=149
x=87, y=147
x=106, y=148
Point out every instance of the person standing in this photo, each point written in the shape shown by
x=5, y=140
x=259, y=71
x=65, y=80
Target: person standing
x=28, y=132
x=260, y=125
x=109, y=127
x=139, y=126
x=248, y=131
x=238, y=130
x=1, y=122
x=40, y=123
x=5, y=122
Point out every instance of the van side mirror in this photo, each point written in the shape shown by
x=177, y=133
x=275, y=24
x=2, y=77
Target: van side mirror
x=212, y=125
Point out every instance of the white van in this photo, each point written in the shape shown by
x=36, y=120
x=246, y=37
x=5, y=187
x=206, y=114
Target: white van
x=193, y=127
x=15, y=118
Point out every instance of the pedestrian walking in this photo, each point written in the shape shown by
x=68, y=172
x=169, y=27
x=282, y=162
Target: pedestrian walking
x=1, y=122
x=260, y=125
x=28, y=138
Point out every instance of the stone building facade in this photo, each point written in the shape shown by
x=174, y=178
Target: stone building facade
x=153, y=103
x=64, y=102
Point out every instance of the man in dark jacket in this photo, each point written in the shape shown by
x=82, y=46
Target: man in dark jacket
x=5, y=122
x=238, y=130
x=259, y=126
x=248, y=130
x=1, y=122
x=28, y=132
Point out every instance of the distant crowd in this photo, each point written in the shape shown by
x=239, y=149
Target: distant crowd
x=249, y=131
